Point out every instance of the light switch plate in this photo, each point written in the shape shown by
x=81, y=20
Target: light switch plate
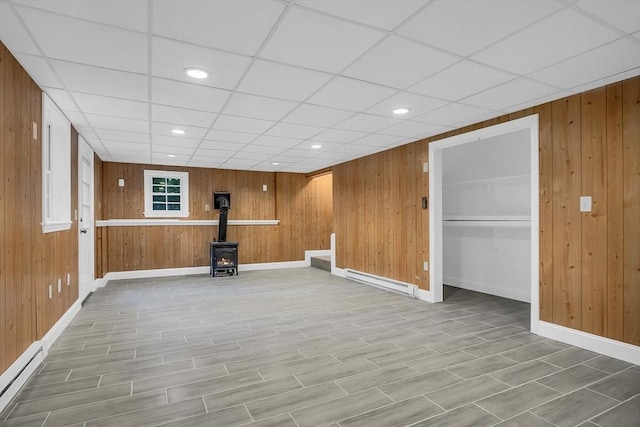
x=425, y=167
x=264, y=187
x=425, y=266
x=585, y=203
x=121, y=182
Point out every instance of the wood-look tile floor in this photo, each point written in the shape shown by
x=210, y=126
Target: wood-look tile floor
x=302, y=348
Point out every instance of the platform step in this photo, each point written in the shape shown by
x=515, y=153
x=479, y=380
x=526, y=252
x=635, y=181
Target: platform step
x=321, y=262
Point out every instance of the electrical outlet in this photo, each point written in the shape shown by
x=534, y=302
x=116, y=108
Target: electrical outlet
x=207, y=208
x=59, y=285
x=35, y=130
x=425, y=266
x=121, y=182
x=50, y=291
x=425, y=167
x=585, y=203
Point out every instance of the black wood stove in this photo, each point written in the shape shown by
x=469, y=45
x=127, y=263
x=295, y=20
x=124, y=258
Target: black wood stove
x=223, y=255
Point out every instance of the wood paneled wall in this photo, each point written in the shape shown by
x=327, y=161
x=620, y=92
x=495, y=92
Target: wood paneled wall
x=319, y=211
x=153, y=247
x=30, y=261
x=589, y=262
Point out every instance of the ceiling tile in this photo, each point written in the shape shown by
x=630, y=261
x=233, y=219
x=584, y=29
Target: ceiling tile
x=174, y=141
x=304, y=148
x=511, y=93
x=375, y=139
x=221, y=145
x=242, y=124
x=39, y=70
x=98, y=121
x=258, y=107
x=258, y=149
x=239, y=164
x=14, y=35
x=453, y=114
x=386, y=14
x=411, y=129
x=192, y=132
x=124, y=145
x=245, y=155
x=607, y=80
x=337, y=135
x=73, y=40
x=417, y=103
x=230, y=136
x=464, y=27
x=367, y=123
x=118, y=135
x=170, y=58
x=101, y=81
x=314, y=115
x=76, y=118
x=62, y=99
x=289, y=130
x=281, y=81
x=179, y=94
x=624, y=14
x=219, y=155
x=623, y=54
x=302, y=39
x=522, y=53
x=100, y=11
x=181, y=116
x=276, y=141
x=399, y=63
x=204, y=163
x=362, y=95
x=234, y=25
x=461, y=80
x=107, y=106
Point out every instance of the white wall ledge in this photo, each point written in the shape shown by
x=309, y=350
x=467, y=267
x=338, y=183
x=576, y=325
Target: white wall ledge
x=192, y=222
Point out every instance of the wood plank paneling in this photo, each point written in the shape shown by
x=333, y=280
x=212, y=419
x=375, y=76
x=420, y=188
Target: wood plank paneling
x=318, y=211
x=615, y=220
x=594, y=223
x=4, y=363
x=631, y=213
x=545, y=160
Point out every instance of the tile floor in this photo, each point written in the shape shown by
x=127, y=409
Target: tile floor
x=303, y=348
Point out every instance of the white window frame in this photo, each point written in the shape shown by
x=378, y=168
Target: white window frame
x=56, y=168
x=148, y=194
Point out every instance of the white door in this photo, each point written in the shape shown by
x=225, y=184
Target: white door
x=86, y=246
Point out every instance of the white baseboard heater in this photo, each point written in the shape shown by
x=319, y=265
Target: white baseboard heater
x=382, y=282
x=12, y=380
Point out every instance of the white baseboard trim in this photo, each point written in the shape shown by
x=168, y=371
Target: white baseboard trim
x=608, y=347
x=425, y=295
x=19, y=372
x=273, y=265
x=487, y=288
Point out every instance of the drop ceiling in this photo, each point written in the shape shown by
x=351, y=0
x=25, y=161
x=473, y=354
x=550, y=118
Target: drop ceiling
x=289, y=75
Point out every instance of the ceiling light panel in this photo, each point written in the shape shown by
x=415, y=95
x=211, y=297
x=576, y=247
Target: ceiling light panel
x=79, y=41
x=468, y=27
x=301, y=39
x=186, y=95
x=399, y=63
x=193, y=132
x=258, y=107
x=385, y=14
x=361, y=94
x=170, y=58
x=282, y=81
x=98, y=11
x=216, y=24
x=521, y=53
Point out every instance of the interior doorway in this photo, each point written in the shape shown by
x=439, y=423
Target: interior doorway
x=86, y=235
x=476, y=209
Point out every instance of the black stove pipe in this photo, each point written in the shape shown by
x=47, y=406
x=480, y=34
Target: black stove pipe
x=222, y=223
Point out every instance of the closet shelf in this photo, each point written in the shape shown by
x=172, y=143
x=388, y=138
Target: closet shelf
x=487, y=221
x=486, y=180
x=486, y=218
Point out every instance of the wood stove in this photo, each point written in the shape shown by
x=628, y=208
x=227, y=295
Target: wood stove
x=223, y=255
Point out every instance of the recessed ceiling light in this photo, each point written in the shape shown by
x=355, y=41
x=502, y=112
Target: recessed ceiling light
x=178, y=131
x=316, y=146
x=196, y=73
x=171, y=155
x=401, y=110
x=275, y=163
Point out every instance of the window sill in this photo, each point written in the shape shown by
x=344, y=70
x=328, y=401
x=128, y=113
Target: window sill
x=166, y=216
x=51, y=227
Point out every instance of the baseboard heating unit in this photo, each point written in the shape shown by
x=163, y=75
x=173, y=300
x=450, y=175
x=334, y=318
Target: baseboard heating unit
x=382, y=282
x=12, y=380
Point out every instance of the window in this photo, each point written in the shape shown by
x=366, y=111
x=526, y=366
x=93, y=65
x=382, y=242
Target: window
x=56, y=168
x=166, y=194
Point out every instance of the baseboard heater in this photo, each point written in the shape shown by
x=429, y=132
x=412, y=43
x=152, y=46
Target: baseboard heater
x=12, y=380
x=382, y=282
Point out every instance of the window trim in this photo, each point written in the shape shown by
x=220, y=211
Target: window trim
x=148, y=194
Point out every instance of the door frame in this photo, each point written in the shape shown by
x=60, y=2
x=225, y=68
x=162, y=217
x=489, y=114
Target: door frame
x=435, y=211
x=84, y=289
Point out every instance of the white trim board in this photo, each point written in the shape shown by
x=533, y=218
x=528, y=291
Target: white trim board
x=160, y=222
x=612, y=348
x=19, y=372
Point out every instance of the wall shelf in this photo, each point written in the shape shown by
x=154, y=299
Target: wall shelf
x=486, y=221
